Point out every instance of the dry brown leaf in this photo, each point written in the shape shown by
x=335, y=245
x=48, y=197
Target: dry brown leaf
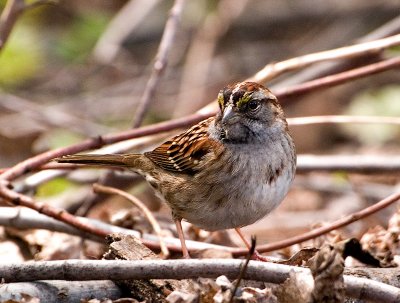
x=327, y=269
x=381, y=243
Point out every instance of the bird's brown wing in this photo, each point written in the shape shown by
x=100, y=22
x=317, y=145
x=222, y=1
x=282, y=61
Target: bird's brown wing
x=184, y=152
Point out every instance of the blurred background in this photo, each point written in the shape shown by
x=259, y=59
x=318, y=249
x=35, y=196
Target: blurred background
x=76, y=69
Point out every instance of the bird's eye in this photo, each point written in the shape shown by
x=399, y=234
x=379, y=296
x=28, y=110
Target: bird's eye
x=253, y=104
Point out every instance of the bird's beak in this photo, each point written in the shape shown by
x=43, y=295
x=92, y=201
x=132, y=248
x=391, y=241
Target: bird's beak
x=228, y=114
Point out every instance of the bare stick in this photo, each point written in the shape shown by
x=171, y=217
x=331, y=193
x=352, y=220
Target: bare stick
x=160, y=63
x=326, y=68
x=83, y=270
x=332, y=226
x=339, y=78
x=273, y=70
x=98, y=188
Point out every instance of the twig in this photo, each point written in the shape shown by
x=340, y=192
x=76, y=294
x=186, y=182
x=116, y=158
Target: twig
x=97, y=188
x=326, y=68
x=160, y=63
x=273, y=70
x=332, y=226
x=339, y=78
x=244, y=268
x=83, y=270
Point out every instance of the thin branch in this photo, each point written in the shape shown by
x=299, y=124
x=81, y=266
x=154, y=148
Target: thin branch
x=243, y=268
x=273, y=70
x=339, y=78
x=327, y=68
x=160, y=63
x=83, y=270
x=98, y=188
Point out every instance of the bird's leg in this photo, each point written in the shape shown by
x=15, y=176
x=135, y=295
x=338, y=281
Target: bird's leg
x=185, y=251
x=256, y=255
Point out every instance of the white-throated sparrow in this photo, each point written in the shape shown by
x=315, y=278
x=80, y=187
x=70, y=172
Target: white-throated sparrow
x=225, y=172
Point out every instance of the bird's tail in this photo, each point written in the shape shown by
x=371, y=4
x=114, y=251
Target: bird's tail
x=102, y=160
